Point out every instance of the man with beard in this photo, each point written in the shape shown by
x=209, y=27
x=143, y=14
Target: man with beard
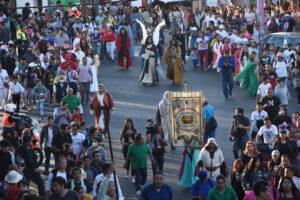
x=102, y=102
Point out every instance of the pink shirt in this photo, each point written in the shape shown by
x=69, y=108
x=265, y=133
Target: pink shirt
x=251, y=196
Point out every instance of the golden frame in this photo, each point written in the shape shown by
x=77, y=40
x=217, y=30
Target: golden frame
x=186, y=113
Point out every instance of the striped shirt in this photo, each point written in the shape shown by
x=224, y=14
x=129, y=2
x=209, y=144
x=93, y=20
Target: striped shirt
x=208, y=112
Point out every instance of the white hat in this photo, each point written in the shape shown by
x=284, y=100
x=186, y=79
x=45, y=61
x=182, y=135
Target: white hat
x=211, y=140
x=286, y=15
x=32, y=64
x=275, y=153
x=280, y=54
x=73, y=9
x=13, y=177
x=10, y=107
x=193, y=29
x=221, y=26
x=11, y=42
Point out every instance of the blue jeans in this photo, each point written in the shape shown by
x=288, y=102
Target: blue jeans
x=140, y=177
x=195, y=63
x=209, y=133
x=40, y=106
x=239, y=143
x=97, y=48
x=227, y=80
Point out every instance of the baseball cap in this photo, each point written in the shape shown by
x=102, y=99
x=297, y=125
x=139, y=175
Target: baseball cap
x=275, y=153
x=202, y=174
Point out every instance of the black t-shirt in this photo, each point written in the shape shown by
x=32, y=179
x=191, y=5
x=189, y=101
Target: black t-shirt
x=87, y=184
x=31, y=77
x=70, y=195
x=5, y=162
x=291, y=25
x=273, y=108
x=239, y=132
x=59, y=140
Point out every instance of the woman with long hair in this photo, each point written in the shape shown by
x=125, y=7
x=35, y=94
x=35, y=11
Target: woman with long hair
x=125, y=25
x=285, y=146
x=237, y=178
x=216, y=50
x=174, y=62
x=150, y=57
x=84, y=44
x=237, y=55
x=253, y=166
x=123, y=49
x=243, y=58
x=249, y=152
x=287, y=189
x=127, y=137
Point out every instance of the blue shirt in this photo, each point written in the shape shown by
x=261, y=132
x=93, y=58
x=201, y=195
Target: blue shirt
x=208, y=112
x=202, y=189
x=150, y=193
x=223, y=60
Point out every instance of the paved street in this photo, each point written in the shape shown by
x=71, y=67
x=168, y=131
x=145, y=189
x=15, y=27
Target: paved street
x=132, y=100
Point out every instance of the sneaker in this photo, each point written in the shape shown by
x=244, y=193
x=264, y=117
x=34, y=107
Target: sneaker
x=138, y=192
x=133, y=179
x=127, y=175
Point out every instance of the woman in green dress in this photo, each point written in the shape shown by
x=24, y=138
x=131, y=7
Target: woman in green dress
x=248, y=77
x=189, y=162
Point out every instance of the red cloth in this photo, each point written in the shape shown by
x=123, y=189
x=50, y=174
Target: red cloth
x=119, y=47
x=77, y=117
x=13, y=192
x=64, y=65
x=95, y=106
x=110, y=37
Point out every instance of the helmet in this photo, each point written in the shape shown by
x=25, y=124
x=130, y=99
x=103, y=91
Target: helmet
x=10, y=107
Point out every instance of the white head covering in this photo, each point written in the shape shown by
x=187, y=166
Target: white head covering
x=211, y=140
x=166, y=99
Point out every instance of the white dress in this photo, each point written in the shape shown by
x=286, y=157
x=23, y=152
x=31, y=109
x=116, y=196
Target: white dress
x=94, y=85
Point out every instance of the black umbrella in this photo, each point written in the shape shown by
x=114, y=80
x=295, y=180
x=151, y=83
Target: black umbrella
x=157, y=2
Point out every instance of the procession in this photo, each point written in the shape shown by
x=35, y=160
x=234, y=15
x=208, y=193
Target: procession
x=150, y=100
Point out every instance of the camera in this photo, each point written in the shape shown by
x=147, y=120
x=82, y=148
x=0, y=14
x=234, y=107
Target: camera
x=150, y=127
x=227, y=65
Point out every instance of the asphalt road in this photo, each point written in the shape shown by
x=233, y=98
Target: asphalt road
x=133, y=100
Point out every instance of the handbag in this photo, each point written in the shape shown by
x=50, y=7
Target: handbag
x=212, y=124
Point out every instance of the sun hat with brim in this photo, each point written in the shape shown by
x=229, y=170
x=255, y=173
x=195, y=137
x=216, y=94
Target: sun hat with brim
x=13, y=177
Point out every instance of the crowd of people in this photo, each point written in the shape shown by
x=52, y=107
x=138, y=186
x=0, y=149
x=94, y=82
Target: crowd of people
x=47, y=59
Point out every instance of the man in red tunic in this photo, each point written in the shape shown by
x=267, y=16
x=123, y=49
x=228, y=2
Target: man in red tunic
x=102, y=102
x=68, y=61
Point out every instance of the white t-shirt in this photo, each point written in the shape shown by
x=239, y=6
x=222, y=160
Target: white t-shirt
x=202, y=43
x=77, y=142
x=281, y=68
x=269, y=134
x=50, y=136
x=208, y=19
x=287, y=54
x=262, y=89
x=3, y=78
x=50, y=177
x=250, y=17
x=258, y=116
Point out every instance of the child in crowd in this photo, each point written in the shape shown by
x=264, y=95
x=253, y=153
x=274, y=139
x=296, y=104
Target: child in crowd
x=195, y=58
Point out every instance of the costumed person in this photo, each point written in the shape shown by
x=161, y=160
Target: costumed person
x=174, y=62
x=102, y=102
x=94, y=68
x=216, y=50
x=163, y=117
x=123, y=49
x=237, y=55
x=125, y=25
x=9, y=124
x=150, y=57
x=189, y=163
x=248, y=77
x=211, y=160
